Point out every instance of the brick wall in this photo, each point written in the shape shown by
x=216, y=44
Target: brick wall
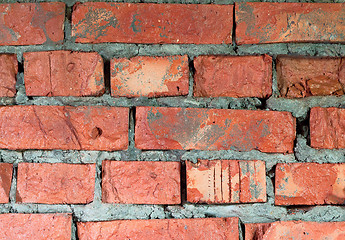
x=206, y=120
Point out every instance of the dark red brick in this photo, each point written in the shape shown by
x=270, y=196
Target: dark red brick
x=214, y=129
x=141, y=182
x=226, y=181
x=5, y=181
x=32, y=23
x=327, y=128
x=8, y=74
x=187, y=229
x=303, y=77
x=233, y=76
x=35, y=226
x=63, y=73
x=152, y=23
x=295, y=230
x=64, y=127
x=150, y=76
x=289, y=22
x=55, y=183
x=309, y=184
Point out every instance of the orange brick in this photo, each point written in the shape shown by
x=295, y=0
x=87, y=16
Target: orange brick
x=8, y=74
x=150, y=76
x=5, y=181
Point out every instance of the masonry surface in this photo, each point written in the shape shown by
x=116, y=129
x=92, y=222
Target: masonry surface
x=193, y=119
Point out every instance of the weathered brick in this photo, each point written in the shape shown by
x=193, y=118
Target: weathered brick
x=63, y=73
x=233, y=76
x=152, y=23
x=214, y=129
x=226, y=181
x=141, y=182
x=57, y=183
x=64, y=127
x=327, y=128
x=32, y=23
x=8, y=73
x=35, y=226
x=303, y=77
x=309, y=184
x=150, y=76
x=289, y=22
x=187, y=229
x=295, y=230
x=5, y=181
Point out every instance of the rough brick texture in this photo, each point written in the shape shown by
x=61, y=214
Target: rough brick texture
x=35, y=226
x=57, y=183
x=63, y=73
x=289, y=22
x=141, y=182
x=226, y=181
x=295, y=230
x=187, y=229
x=5, y=181
x=214, y=129
x=32, y=23
x=150, y=76
x=233, y=76
x=309, y=184
x=152, y=23
x=64, y=127
x=327, y=128
x=8, y=74
x=303, y=77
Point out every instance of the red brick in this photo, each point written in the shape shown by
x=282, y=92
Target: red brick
x=187, y=229
x=57, y=183
x=35, y=226
x=303, y=77
x=295, y=230
x=150, y=76
x=226, y=181
x=152, y=23
x=327, y=128
x=32, y=23
x=214, y=129
x=63, y=73
x=233, y=76
x=141, y=182
x=289, y=22
x=64, y=127
x=5, y=181
x=309, y=184
x=8, y=74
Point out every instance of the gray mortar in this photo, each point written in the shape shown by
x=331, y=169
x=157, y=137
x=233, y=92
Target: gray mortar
x=259, y=212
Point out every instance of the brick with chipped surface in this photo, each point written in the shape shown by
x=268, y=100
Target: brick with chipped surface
x=8, y=75
x=6, y=170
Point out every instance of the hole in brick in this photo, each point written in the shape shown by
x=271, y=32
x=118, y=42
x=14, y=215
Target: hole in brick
x=178, y=89
x=70, y=67
x=96, y=132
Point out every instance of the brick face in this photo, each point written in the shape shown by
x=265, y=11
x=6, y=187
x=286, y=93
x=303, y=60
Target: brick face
x=214, y=129
x=289, y=22
x=295, y=230
x=141, y=182
x=326, y=128
x=32, y=23
x=64, y=127
x=202, y=228
x=152, y=23
x=233, y=76
x=226, y=181
x=6, y=170
x=303, y=77
x=150, y=76
x=63, y=73
x=35, y=226
x=57, y=183
x=309, y=184
x=8, y=75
